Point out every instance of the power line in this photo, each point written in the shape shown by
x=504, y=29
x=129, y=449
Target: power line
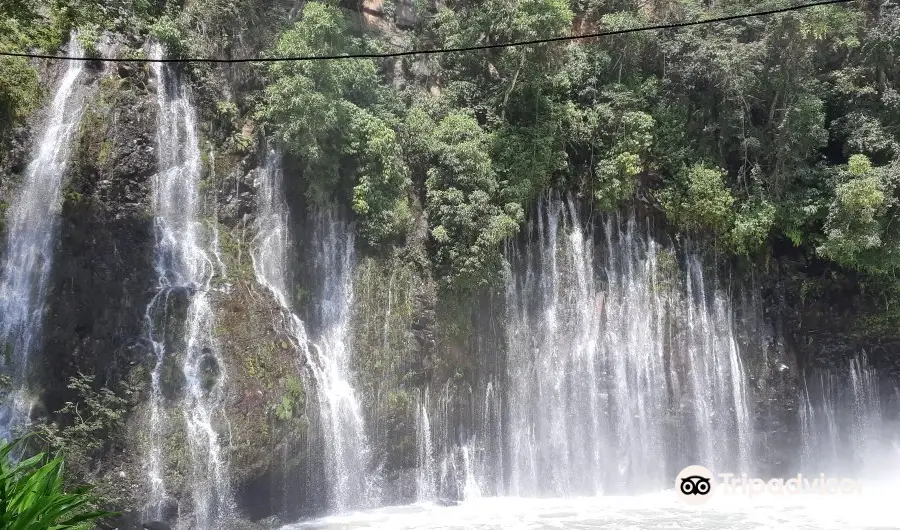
x=674, y=25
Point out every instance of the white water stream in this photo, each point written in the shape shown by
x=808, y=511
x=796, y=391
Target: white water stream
x=32, y=226
x=344, y=441
x=184, y=342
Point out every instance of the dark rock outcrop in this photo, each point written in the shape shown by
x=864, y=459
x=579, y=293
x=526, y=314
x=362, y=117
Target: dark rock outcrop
x=103, y=278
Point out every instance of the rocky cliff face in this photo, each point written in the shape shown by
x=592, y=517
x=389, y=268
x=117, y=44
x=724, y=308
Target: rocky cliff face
x=104, y=281
x=406, y=351
x=403, y=350
x=104, y=277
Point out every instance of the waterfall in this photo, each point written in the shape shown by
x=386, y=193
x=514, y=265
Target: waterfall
x=459, y=476
x=717, y=377
x=492, y=435
x=458, y=445
x=31, y=229
x=608, y=393
x=425, y=471
x=272, y=243
x=180, y=319
x=465, y=435
x=842, y=423
x=344, y=442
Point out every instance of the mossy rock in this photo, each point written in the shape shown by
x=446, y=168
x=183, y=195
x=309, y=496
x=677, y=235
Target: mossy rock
x=169, y=317
x=172, y=380
x=209, y=370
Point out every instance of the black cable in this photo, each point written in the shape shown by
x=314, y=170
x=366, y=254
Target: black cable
x=438, y=50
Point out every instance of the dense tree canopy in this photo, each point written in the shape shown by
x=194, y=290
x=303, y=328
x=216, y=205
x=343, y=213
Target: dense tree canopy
x=784, y=128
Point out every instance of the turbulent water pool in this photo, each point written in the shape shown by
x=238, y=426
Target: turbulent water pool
x=871, y=510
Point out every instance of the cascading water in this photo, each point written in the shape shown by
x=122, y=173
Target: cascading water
x=466, y=428
x=273, y=239
x=607, y=393
x=344, y=442
x=31, y=233
x=843, y=425
x=622, y=368
x=425, y=470
x=180, y=319
x=548, y=446
x=717, y=378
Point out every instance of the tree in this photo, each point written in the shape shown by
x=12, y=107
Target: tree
x=857, y=233
x=467, y=213
x=322, y=111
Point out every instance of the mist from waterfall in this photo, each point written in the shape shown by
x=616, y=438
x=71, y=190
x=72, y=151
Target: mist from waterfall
x=621, y=368
x=845, y=426
x=425, y=466
x=32, y=226
x=345, y=447
x=180, y=318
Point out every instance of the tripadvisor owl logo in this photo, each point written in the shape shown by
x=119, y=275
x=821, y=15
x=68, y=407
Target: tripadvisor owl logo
x=694, y=485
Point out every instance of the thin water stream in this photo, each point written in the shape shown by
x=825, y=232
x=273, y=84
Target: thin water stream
x=343, y=437
x=31, y=227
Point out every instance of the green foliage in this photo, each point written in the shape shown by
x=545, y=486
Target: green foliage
x=498, y=76
x=33, y=496
x=824, y=22
x=19, y=90
x=208, y=28
x=167, y=31
x=753, y=222
x=284, y=410
x=699, y=200
x=213, y=26
x=859, y=165
x=857, y=233
x=467, y=213
x=852, y=225
x=292, y=400
x=380, y=197
x=18, y=9
x=111, y=14
x=742, y=132
x=311, y=104
x=323, y=112
x=45, y=25
x=87, y=424
x=624, y=155
x=739, y=131
x=611, y=136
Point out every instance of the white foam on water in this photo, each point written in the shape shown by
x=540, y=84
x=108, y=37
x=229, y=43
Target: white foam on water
x=873, y=509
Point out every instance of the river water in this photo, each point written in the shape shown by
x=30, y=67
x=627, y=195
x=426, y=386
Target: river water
x=872, y=509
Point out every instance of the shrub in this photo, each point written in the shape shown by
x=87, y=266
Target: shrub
x=33, y=497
